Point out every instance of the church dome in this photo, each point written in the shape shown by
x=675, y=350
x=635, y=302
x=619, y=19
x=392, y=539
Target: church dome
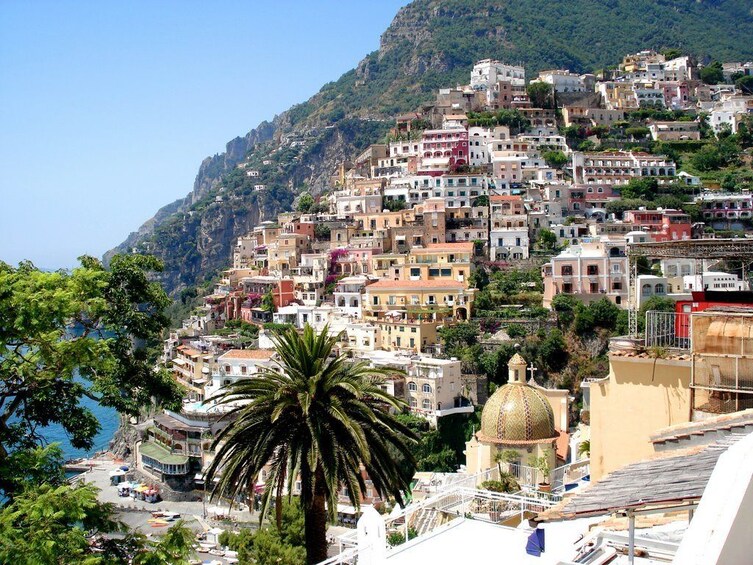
x=517, y=413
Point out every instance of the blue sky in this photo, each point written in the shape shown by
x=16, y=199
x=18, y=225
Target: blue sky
x=107, y=109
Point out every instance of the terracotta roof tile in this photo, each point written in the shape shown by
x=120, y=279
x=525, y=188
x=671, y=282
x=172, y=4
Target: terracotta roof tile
x=459, y=246
x=408, y=285
x=248, y=354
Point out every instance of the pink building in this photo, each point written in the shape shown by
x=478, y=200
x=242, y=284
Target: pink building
x=442, y=149
x=663, y=225
x=591, y=271
x=676, y=95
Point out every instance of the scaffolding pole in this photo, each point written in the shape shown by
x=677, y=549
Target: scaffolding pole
x=702, y=250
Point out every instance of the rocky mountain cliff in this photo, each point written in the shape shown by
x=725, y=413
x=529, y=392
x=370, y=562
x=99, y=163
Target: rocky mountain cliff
x=430, y=44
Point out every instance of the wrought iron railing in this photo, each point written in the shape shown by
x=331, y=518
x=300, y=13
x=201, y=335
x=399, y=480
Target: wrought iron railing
x=667, y=330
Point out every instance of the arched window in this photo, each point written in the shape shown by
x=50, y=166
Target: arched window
x=659, y=289
x=413, y=403
x=646, y=290
x=243, y=369
x=412, y=386
x=426, y=404
x=426, y=388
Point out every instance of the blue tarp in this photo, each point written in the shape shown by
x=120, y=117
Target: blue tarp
x=535, y=543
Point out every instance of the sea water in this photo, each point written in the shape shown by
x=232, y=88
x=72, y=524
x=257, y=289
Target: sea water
x=108, y=422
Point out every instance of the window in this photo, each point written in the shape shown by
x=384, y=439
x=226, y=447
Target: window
x=376, y=301
x=243, y=369
x=413, y=403
x=567, y=270
x=415, y=272
x=426, y=404
x=433, y=272
x=592, y=270
x=412, y=386
x=446, y=272
x=426, y=388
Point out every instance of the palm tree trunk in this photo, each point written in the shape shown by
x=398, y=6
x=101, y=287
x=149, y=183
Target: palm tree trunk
x=316, y=523
x=278, y=502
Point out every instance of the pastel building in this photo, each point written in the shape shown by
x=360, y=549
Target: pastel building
x=440, y=261
x=508, y=228
x=592, y=270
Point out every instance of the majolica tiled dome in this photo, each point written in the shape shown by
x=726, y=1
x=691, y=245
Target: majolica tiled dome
x=517, y=413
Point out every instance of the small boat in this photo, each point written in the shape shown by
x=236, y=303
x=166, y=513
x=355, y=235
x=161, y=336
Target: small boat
x=158, y=523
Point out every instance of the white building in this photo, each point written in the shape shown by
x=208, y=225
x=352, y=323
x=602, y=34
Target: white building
x=563, y=81
x=487, y=73
x=359, y=200
x=714, y=280
x=729, y=112
x=508, y=228
x=362, y=336
x=726, y=206
x=349, y=296
x=235, y=365
x=433, y=387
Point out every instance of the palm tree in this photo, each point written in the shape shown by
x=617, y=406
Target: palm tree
x=317, y=417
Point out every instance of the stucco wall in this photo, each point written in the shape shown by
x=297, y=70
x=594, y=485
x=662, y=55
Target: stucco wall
x=639, y=397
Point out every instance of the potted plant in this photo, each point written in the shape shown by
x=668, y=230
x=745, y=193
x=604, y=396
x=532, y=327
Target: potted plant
x=541, y=464
x=507, y=456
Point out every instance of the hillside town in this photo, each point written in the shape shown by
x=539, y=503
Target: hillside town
x=514, y=215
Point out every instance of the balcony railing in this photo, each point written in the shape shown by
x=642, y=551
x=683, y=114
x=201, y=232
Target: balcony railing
x=667, y=330
x=450, y=505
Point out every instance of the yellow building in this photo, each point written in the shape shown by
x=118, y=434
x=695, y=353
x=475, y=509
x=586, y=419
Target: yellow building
x=440, y=261
x=192, y=369
x=433, y=300
x=388, y=265
x=640, y=396
x=519, y=419
x=385, y=220
x=402, y=334
x=286, y=252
